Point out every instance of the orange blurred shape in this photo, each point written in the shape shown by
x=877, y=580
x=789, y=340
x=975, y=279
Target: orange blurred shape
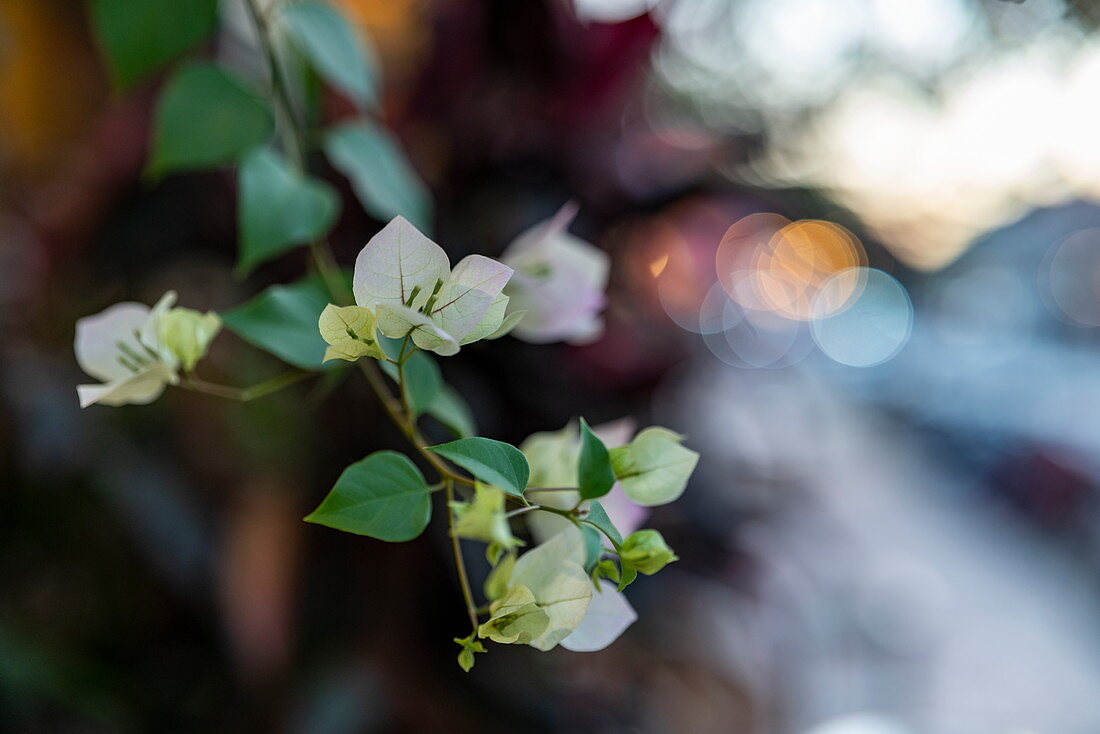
x=399, y=29
x=658, y=266
x=49, y=83
x=767, y=263
x=735, y=258
x=258, y=574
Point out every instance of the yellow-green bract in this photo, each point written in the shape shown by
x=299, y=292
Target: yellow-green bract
x=654, y=468
x=187, y=334
x=350, y=333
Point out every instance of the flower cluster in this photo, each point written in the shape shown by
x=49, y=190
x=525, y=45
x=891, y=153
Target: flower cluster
x=578, y=496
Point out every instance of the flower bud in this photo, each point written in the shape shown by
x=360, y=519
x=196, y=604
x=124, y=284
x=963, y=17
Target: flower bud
x=646, y=551
x=187, y=334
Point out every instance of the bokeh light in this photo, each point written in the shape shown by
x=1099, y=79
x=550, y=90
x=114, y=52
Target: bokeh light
x=873, y=328
x=1071, y=278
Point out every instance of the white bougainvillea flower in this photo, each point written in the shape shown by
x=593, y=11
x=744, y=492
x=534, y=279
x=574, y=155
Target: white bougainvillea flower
x=121, y=346
x=553, y=573
x=559, y=283
x=553, y=457
x=407, y=280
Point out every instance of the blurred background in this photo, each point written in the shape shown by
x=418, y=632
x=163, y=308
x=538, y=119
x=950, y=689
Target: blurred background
x=856, y=260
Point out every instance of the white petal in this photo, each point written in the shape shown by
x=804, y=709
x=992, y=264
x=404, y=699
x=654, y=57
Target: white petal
x=468, y=293
x=149, y=332
x=608, y=616
x=533, y=237
x=139, y=389
x=97, y=339
x=394, y=262
x=491, y=322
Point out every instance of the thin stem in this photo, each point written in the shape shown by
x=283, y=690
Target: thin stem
x=397, y=414
x=549, y=489
x=293, y=139
x=292, y=135
x=522, y=511
x=456, y=549
x=246, y=394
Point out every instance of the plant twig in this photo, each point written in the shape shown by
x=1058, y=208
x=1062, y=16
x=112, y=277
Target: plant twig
x=245, y=394
x=549, y=489
x=456, y=549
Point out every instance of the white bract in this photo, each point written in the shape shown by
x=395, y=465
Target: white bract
x=608, y=616
x=121, y=346
x=559, y=283
x=407, y=280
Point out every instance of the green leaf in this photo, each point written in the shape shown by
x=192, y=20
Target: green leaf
x=450, y=409
x=469, y=647
x=138, y=38
x=380, y=174
x=594, y=474
x=654, y=468
x=629, y=574
x=283, y=321
x=495, y=462
x=423, y=382
x=278, y=208
x=383, y=496
x=335, y=49
x=593, y=546
x=597, y=516
x=205, y=118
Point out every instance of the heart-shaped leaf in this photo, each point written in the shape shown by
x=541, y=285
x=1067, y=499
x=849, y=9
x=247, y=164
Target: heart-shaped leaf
x=334, y=48
x=383, y=496
x=422, y=380
x=382, y=177
x=283, y=321
x=140, y=37
x=494, y=462
x=450, y=409
x=278, y=208
x=205, y=118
